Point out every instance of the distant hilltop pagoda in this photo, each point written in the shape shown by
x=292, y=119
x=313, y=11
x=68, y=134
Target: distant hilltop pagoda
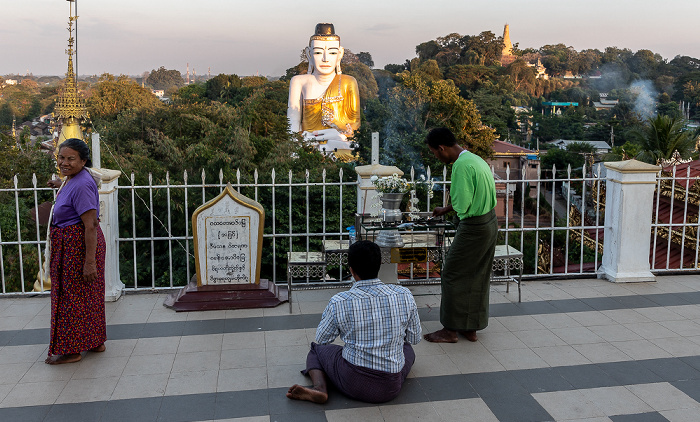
x=70, y=112
x=507, y=56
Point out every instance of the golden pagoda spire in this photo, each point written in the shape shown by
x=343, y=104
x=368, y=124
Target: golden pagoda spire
x=70, y=108
x=14, y=131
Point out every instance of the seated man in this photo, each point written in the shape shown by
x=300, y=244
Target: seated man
x=378, y=323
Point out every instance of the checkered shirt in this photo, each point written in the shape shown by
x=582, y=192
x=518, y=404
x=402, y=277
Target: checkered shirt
x=374, y=320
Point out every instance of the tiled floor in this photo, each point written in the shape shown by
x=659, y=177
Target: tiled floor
x=573, y=350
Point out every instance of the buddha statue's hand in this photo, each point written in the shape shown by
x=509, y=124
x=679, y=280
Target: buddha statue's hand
x=326, y=135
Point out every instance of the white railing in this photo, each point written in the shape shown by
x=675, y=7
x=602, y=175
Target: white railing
x=549, y=233
x=282, y=198
x=21, y=258
x=675, y=224
x=155, y=240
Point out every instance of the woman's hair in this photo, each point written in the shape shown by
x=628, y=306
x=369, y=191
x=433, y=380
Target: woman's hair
x=80, y=147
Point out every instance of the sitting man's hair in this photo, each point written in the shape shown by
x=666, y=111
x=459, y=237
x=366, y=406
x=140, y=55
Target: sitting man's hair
x=440, y=136
x=365, y=258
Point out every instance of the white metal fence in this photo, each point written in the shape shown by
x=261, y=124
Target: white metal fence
x=560, y=235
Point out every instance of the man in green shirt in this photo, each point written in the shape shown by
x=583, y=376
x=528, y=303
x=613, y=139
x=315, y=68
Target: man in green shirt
x=466, y=274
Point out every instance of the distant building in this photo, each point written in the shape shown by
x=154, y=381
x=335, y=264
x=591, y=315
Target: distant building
x=601, y=147
x=11, y=82
x=158, y=92
x=570, y=75
x=540, y=70
x=605, y=104
x=507, y=56
x=508, y=162
x=517, y=158
x=551, y=106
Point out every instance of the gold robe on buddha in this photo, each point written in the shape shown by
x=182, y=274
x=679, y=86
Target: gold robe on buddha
x=338, y=108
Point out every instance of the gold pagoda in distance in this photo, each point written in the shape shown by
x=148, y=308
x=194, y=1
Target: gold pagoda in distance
x=70, y=111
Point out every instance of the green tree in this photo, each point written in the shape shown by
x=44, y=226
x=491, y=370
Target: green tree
x=427, y=50
x=165, y=79
x=486, y=48
x=111, y=96
x=661, y=136
x=522, y=75
x=366, y=59
x=417, y=105
x=222, y=87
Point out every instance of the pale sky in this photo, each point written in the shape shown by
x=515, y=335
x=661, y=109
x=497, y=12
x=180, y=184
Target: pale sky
x=266, y=36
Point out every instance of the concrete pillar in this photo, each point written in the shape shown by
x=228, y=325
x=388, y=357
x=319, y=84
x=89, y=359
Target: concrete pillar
x=109, y=223
x=367, y=201
x=96, y=153
x=628, y=211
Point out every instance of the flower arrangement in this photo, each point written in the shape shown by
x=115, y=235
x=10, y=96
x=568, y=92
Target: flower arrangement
x=390, y=184
x=395, y=184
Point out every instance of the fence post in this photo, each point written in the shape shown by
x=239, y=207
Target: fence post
x=628, y=212
x=109, y=223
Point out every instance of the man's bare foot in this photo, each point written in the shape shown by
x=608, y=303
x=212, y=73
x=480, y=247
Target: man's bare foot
x=297, y=392
x=59, y=359
x=99, y=349
x=469, y=334
x=442, y=336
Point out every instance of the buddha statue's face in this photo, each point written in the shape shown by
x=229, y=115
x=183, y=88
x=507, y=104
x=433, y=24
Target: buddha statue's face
x=325, y=56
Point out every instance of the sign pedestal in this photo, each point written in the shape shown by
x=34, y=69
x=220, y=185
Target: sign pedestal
x=228, y=234
x=211, y=298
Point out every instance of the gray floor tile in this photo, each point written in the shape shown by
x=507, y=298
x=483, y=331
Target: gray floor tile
x=541, y=380
x=516, y=408
x=640, y=417
x=241, y=404
x=132, y=410
x=315, y=416
x=689, y=387
x=629, y=373
x=33, y=336
x=7, y=335
x=24, y=414
x=451, y=387
x=187, y=408
x=163, y=329
x=603, y=303
x=76, y=412
x=673, y=369
x=669, y=299
x=572, y=305
x=198, y=327
x=124, y=331
x=495, y=384
x=586, y=376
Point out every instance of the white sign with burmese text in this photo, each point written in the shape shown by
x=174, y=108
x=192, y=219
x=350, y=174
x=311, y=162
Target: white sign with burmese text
x=228, y=235
x=228, y=250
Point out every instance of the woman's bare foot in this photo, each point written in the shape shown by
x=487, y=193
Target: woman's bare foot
x=442, y=336
x=469, y=334
x=59, y=359
x=99, y=349
x=297, y=392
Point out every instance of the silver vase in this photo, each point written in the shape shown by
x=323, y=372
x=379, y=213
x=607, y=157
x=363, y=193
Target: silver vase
x=391, y=207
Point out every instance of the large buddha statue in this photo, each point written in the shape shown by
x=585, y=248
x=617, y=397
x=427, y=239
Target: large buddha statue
x=324, y=105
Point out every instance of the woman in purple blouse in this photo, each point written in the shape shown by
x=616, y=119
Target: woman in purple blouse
x=77, y=261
